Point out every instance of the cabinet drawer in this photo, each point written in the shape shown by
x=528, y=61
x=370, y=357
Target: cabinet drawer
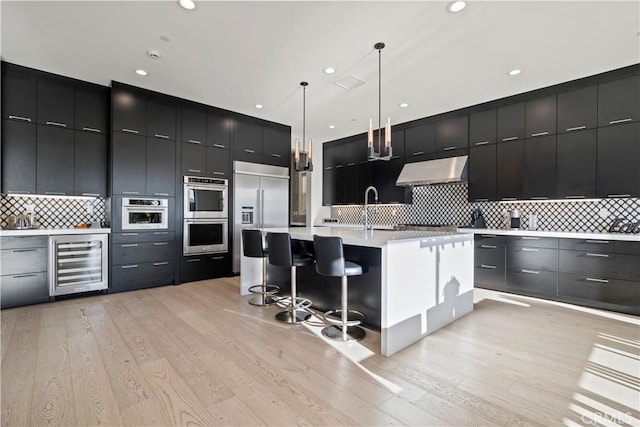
x=533, y=281
x=28, y=260
x=139, y=237
x=489, y=239
x=600, y=265
x=533, y=242
x=23, y=289
x=202, y=267
x=128, y=253
x=143, y=275
x=489, y=254
x=489, y=276
x=606, y=246
x=23, y=242
x=608, y=291
x=532, y=258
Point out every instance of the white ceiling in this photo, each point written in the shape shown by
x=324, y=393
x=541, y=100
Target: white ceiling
x=235, y=54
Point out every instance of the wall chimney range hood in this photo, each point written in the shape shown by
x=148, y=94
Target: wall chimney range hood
x=439, y=171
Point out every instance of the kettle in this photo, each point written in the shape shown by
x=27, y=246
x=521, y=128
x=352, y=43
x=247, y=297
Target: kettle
x=477, y=220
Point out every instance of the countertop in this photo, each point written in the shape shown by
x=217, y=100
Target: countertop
x=558, y=234
x=358, y=237
x=53, y=231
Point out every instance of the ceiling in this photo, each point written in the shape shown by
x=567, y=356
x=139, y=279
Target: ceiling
x=236, y=54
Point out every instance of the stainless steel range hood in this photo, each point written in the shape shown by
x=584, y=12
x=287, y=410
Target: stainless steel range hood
x=440, y=171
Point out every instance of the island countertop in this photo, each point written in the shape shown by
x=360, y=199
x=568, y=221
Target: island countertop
x=53, y=231
x=358, y=237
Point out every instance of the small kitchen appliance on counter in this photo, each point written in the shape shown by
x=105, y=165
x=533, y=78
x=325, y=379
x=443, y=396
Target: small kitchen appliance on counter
x=515, y=219
x=477, y=219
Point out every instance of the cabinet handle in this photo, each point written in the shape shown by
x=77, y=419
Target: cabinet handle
x=160, y=233
x=20, y=191
x=160, y=194
x=509, y=198
x=194, y=260
x=159, y=135
x=488, y=235
x=339, y=166
x=328, y=168
x=417, y=153
x=351, y=164
x=597, y=255
x=195, y=170
x=217, y=257
x=540, y=133
x=618, y=195
x=55, y=193
x=218, y=173
x=511, y=138
x=194, y=141
x=530, y=250
x=482, y=143
x=574, y=197
x=22, y=250
x=491, y=267
x=20, y=276
x=91, y=194
x=24, y=119
x=530, y=271
x=449, y=148
x=157, y=264
x=481, y=200
x=276, y=155
x=92, y=130
x=129, y=266
x=130, y=130
x=219, y=146
x=488, y=246
x=576, y=128
x=597, y=241
x=530, y=238
x=249, y=151
x=130, y=192
x=62, y=125
x=615, y=122
x=161, y=244
x=129, y=234
x=593, y=279
x=131, y=245
x=540, y=198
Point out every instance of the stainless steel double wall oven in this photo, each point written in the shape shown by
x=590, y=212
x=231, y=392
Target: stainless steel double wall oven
x=206, y=217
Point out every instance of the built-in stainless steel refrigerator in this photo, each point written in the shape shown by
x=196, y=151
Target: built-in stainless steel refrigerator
x=261, y=200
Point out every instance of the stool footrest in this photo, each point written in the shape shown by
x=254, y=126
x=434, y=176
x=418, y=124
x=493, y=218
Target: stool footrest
x=338, y=321
x=264, y=290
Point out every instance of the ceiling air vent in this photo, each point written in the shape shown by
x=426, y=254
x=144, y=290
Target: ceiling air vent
x=350, y=82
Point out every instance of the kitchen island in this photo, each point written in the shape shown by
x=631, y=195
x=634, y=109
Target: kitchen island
x=414, y=282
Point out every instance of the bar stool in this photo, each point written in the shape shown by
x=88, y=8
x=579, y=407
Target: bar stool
x=281, y=255
x=330, y=262
x=252, y=248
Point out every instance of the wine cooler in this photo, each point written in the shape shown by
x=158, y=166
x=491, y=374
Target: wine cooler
x=78, y=263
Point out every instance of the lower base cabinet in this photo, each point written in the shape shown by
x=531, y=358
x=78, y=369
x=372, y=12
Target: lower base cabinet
x=203, y=267
x=611, y=294
x=23, y=263
x=143, y=275
x=533, y=282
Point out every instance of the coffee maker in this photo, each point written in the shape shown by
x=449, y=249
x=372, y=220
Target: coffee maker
x=477, y=219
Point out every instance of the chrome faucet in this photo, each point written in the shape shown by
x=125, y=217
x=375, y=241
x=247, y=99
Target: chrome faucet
x=366, y=206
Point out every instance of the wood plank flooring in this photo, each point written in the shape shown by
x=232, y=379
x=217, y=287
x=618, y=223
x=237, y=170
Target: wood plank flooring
x=199, y=354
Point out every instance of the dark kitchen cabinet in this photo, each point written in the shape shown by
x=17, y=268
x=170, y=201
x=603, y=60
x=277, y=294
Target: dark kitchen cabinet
x=277, y=146
x=364, y=181
x=619, y=101
x=161, y=119
x=419, y=142
x=482, y=173
x=510, y=170
x=328, y=159
x=18, y=97
x=248, y=139
x=92, y=110
x=540, y=168
x=397, y=144
x=18, y=157
x=540, y=116
x=384, y=176
x=161, y=167
x=578, y=109
x=90, y=164
x=194, y=158
x=576, y=164
x=54, y=160
x=618, y=148
x=202, y=267
x=194, y=125
x=55, y=104
x=339, y=191
x=129, y=110
x=328, y=180
x=489, y=260
x=452, y=134
x=351, y=183
x=128, y=164
x=482, y=128
x=219, y=128
x=339, y=153
x=356, y=151
x=134, y=276
x=510, y=122
x=218, y=162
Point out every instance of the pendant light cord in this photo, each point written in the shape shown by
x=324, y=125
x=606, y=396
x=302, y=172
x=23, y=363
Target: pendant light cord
x=380, y=100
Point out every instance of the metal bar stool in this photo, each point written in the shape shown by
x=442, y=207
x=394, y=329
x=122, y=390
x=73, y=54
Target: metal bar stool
x=281, y=255
x=330, y=262
x=252, y=248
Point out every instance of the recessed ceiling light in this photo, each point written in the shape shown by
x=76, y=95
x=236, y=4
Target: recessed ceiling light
x=332, y=126
x=259, y=106
x=187, y=4
x=515, y=72
x=404, y=105
x=141, y=72
x=456, y=6
x=329, y=70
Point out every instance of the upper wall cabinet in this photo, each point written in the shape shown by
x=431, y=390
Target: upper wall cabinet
x=482, y=128
x=578, y=109
x=540, y=117
x=91, y=110
x=452, y=134
x=18, y=97
x=194, y=125
x=161, y=119
x=277, y=146
x=55, y=104
x=619, y=101
x=418, y=142
x=219, y=128
x=18, y=157
x=129, y=110
x=510, y=122
x=618, y=157
x=248, y=137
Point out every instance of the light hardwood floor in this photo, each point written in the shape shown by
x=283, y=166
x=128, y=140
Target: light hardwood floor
x=199, y=354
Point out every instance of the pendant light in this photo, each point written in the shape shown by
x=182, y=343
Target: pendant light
x=306, y=163
x=382, y=149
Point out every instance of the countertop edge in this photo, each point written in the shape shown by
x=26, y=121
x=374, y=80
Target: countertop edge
x=556, y=234
x=53, y=232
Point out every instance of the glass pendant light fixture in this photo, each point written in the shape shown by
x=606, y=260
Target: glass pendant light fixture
x=303, y=161
x=382, y=149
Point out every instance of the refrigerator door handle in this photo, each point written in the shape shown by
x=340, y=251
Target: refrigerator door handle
x=262, y=209
x=259, y=209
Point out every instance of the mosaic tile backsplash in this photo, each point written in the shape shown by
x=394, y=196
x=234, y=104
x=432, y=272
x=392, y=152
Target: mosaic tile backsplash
x=55, y=212
x=447, y=204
